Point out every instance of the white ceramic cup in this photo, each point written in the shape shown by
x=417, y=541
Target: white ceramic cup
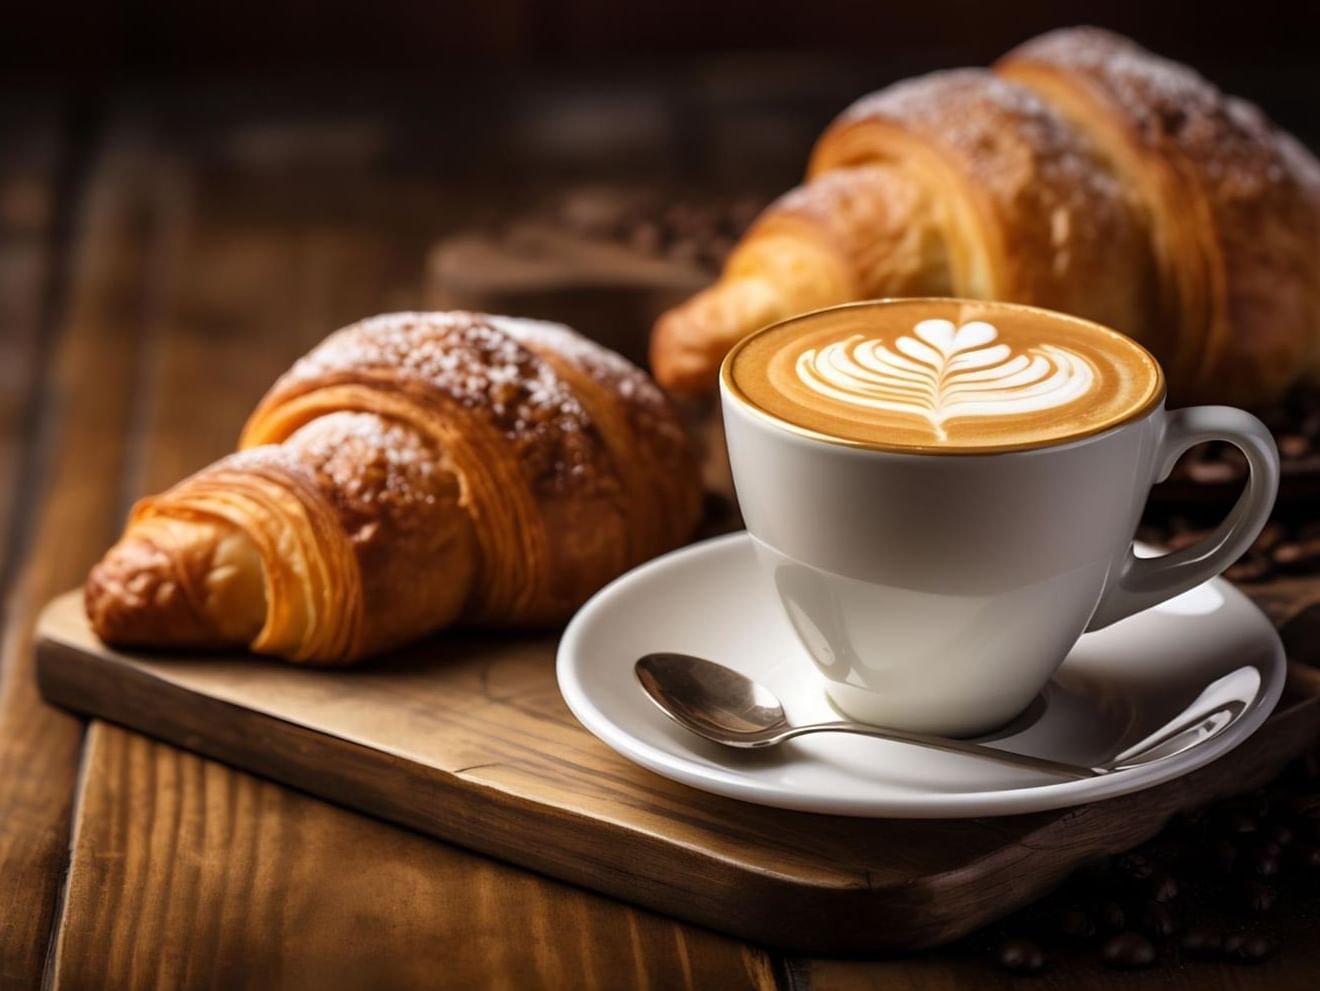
x=940, y=592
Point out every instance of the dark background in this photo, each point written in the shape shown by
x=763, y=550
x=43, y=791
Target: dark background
x=594, y=87
x=164, y=39
x=412, y=122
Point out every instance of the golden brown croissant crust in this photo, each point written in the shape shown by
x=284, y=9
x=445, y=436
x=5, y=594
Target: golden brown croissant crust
x=1233, y=206
x=413, y=471
x=1084, y=174
x=1027, y=211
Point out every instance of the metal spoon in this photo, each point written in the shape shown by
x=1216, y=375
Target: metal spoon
x=725, y=707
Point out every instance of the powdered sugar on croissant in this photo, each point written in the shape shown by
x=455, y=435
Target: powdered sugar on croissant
x=1083, y=174
x=413, y=471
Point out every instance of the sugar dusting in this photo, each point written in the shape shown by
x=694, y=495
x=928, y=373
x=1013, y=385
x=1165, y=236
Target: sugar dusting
x=644, y=404
x=479, y=363
x=600, y=363
x=1172, y=109
x=363, y=460
x=462, y=355
x=1014, y=143
x=970, y=110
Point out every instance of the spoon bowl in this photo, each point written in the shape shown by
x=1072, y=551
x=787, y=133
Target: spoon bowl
x=719, y=704
x=710, y=699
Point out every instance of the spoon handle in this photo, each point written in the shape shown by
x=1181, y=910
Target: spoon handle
x=1059, y=768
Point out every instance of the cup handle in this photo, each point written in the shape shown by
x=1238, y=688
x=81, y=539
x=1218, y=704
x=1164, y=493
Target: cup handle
x=1139, y=583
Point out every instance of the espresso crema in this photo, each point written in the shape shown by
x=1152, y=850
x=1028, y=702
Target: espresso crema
x=944, y=375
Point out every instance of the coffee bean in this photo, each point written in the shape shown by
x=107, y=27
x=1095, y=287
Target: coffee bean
x=1213, y=472
x=1076, y=924
x=685, y=250
x=1293, y=446
x=646, y=238
x=1248, y=947
x=1257, y=896
x=1164, y=888
x=1135, y=866
x=1112, y=917
x=1021, y=956
x=1265, y=865
x=1287, y=552
x=1202, y=942
x=592, y=214
x=682, y=217
x=1128, y=951
x=1297, y=555
x=1157, y=920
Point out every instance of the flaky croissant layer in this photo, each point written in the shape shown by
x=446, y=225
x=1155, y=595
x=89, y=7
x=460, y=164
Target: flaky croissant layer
x=1083, y=174
x=412, y=472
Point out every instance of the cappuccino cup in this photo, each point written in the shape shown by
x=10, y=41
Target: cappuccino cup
x=943, y=494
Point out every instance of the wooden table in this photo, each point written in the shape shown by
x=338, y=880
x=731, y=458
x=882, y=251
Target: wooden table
x=161, y=261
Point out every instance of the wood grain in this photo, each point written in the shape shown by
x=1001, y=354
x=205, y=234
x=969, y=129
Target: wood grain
x=29, y=156
x=282, y=890
x=28, y=146
x=468, y=740
x=68, y=474
x=186, y=874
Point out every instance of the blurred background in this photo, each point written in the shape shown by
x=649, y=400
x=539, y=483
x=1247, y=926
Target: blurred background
x=206, y=189
x=296, y=164
x=722, y=92
x=657, y=126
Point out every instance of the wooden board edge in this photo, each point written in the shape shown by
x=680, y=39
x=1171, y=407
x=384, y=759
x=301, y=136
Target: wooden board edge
x=765, y=906
x=770, y=908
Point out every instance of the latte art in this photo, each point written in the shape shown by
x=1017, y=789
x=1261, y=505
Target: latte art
x=946, y=371
x=943, y=375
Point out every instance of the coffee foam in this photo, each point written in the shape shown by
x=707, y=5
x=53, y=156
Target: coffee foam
x=945, y=375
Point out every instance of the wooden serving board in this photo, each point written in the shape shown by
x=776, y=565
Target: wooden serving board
x=466, y=738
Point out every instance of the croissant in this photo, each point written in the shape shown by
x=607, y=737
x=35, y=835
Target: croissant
x=413, y=471
x=1082, y=174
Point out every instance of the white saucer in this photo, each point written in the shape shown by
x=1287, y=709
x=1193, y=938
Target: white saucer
x=1115, y=689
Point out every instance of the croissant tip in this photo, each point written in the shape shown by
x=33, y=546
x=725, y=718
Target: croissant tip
x=679, y=361
x=132, y=598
